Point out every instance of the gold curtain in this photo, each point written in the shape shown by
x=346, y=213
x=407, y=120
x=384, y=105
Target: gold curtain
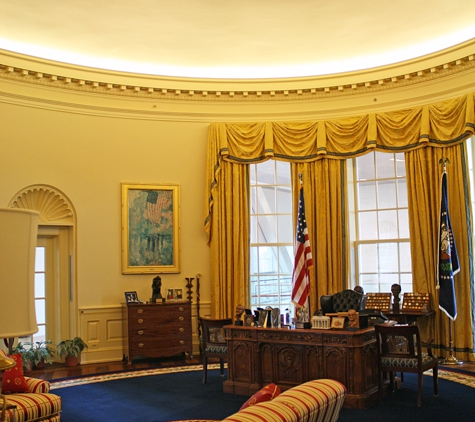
x=229, y=246
x=424, y=194
x=324, y=184
x=442, y=124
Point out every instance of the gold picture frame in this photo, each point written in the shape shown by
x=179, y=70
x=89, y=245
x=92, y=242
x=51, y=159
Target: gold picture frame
x=150, y=229
x=338, y=323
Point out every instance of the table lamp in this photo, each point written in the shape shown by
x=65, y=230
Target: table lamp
x=18, y=233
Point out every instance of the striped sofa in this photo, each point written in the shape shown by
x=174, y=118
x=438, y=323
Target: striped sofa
x=314, y=401
x=36, y=405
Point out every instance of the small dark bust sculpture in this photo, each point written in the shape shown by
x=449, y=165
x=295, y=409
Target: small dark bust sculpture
x=396, y=291
x=156, y=287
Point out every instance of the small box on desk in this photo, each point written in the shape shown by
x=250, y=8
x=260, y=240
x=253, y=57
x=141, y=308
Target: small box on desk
x=303, y=325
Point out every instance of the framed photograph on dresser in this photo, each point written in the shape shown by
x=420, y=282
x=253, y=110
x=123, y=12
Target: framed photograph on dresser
x=131, y=297
x=150, y=229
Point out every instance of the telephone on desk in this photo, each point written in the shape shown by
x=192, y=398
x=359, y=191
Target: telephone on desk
x=374, y=316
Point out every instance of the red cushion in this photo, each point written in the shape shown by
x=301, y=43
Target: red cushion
x=13, y=380
x=267, y=393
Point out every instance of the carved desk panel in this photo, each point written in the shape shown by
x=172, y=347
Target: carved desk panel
x=259, y=356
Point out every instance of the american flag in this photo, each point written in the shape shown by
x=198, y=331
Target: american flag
x=448, y=262
x=156, y=203
x=303, y=258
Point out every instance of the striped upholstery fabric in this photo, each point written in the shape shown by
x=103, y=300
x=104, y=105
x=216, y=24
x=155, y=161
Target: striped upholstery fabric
x=36, y=385
x=33, y=407
x=314, y=401
x=36, y=405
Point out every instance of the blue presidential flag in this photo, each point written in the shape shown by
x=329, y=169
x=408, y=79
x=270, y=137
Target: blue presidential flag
x=448, y=262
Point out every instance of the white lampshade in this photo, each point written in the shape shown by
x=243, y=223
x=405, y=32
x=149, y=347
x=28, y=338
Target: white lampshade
x=18, y=233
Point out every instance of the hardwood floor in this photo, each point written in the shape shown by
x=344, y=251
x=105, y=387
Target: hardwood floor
x=58, y=371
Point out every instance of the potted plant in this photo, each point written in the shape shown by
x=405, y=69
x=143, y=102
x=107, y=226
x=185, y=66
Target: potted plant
x=26, y=356
x=70, y=350
x=41, y=352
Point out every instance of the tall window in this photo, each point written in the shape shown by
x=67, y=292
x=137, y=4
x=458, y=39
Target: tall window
x=271, y=249
x=382, y=246
x=40, y=297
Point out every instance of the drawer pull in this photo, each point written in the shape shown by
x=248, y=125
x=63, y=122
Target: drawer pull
x=181, y=318
x=181, y=329
x=141, y=344
x=182, y=342
x=181, y=309
x=140, y=332
x=140, y=311
x=140, y=321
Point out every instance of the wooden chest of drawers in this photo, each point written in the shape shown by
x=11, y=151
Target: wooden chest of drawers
x=158, y=329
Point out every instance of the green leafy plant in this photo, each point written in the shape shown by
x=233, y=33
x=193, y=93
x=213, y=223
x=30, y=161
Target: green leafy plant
x=26, y=355
x=41, y=351
x=68, y=348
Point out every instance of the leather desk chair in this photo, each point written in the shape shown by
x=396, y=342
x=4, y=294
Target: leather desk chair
x=341, y=302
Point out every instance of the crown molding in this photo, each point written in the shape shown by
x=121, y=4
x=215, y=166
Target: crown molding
x=31, y=70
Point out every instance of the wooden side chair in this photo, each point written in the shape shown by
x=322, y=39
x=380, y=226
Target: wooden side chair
x=213, y=342
x=400, y=350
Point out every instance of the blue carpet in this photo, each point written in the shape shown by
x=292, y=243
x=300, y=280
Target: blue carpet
x=173, y=396
x=455, y=402
x=157, y=398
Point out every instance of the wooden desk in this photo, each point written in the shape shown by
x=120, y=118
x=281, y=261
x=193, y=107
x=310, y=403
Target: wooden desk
x=259, y=356
x=407, y=316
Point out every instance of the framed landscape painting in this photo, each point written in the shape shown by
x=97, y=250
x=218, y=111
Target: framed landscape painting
x=150, y=229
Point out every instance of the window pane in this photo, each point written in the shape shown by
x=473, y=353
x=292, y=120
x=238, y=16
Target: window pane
x=387, y=194
x=40, y=311
x=252, y=175
x=284, y=200
x=286, y=260
x=267, y=259
x=368, y=228
x=40, y=285
x=406, y=283
x=405, y=264
x=384, y=165
x=366, y=196
x=400, y=164
x=388, y=257
x=253, y=200
x=365, y=167
x=386, y=281
x=402, y=193
x=266, y=200
x=403, y=219
x=40, y=259
x=268, y=229
x=283, y=173
x=368, y=258
x=253, y=260
x=265, y=173
x=387, y=224
x=285, y=228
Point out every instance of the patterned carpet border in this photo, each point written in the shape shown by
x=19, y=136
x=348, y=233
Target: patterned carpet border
x=129, y=374
x=468, y=380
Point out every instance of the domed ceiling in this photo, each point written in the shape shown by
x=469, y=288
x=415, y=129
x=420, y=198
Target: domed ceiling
x=233, y=39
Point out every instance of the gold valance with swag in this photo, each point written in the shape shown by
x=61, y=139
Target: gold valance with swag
x=318, y=147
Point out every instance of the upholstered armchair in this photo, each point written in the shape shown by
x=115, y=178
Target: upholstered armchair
x=341, y=302
x=30, y=399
